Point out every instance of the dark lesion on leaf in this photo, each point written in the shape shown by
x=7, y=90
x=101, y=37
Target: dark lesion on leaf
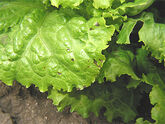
x=59, y=73
x=68, y=49
x=95, y=62
x=91, y=29
x=97, y=24
x=84, y=87
x=72, y=59
x=101, y=60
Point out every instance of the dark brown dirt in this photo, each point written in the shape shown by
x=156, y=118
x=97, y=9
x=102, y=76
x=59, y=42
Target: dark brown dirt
x=19, y=105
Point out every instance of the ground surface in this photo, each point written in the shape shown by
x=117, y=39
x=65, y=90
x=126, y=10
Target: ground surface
x=19, y=105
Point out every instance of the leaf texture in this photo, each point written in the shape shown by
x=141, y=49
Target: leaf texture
x=116, y=98
x=157, y=98
x=118, y=62
x=66, y=3
x=152, y=34
x=51, y=48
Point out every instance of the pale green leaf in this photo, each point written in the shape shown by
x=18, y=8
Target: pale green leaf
x=104, y=4
x=157, y=98
x=135, y=7
x=152, y=34
x=66, y=3
x=51, y=48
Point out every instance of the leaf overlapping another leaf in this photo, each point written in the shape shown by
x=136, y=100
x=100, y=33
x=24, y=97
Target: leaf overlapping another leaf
x=151, y=33
x=66, y=3
x=52, y=49
x=141, y=121
x=118, y=62
x=116, y=98
x=61, y=47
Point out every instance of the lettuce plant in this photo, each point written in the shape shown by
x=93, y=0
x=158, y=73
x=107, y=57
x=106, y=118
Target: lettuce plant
x=88, y=54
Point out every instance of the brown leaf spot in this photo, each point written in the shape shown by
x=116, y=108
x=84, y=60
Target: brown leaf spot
x=95, y=62
x=101, y=60
x=59, y=73
x=97, y=24
x=91, y=29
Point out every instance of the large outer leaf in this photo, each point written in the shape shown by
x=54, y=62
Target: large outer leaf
x=51, y=48
x=116, y=98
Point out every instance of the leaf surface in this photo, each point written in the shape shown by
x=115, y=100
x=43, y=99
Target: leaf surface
x=141, y=121
x=157, y=97
x=51, y=48
x=66, y=3
x=124, y=34
x=152, y=34
x=118, y=62
x=116, y=98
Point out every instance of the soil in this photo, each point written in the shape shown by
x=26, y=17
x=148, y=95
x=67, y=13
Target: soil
x=20, y=105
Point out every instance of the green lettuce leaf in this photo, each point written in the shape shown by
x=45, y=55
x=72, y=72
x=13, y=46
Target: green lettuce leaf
x=135, y=7
x=141, y=121
x=66, y=3
x=115, y=11
x=152, y=34
x=139, y=67
x=104, y=4
x=134, y=83
x=16, y=11
x=154, y=76
x=50, y=48
x=116, y=98
x=122, y=6
x=157, y=98
x=124, y=34
x=118, y=15
x=130, y=8
x=118, y=62
x=149, y=73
